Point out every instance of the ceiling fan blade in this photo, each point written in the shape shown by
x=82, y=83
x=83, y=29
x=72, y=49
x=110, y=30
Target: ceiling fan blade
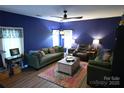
x=56, y=16
x=65, y=17
x=75, y=17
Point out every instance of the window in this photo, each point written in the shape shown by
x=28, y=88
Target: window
x=10, y=38
x=67, y=38
x=55, y=37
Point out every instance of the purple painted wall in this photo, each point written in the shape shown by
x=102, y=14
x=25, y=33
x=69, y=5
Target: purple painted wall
x=37, y=32
x=86, y=30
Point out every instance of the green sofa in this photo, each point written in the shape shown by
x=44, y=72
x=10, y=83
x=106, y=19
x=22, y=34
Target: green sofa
x=36, y=61
x=98, y=71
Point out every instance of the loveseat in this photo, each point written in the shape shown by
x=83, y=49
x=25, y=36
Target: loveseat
x=37, y=60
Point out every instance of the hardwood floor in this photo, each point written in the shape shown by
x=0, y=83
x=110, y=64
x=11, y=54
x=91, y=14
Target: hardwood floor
x=29, y=79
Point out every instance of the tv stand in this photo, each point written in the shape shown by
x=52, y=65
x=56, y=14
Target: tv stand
x=11, y=61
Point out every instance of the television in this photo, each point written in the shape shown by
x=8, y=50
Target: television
x=14, y=51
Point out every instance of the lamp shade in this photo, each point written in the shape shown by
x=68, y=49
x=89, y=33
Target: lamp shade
x=62, y=32
x=96, y=42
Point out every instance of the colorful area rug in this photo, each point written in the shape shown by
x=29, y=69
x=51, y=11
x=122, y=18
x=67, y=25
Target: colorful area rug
x=51, y=74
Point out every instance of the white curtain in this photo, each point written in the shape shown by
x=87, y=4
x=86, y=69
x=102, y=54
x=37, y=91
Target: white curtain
x=11, y=38
x=55, y=37
x=67, y=38
x=10, y=43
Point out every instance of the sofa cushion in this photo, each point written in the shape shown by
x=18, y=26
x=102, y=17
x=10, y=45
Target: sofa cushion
x=56, y=49
x=45, y=59
x=42, y=53
x=51, y=50
x=50, y=57
x=57, y=54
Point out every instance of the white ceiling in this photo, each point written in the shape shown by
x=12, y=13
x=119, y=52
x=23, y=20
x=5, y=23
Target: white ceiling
x=46, y=11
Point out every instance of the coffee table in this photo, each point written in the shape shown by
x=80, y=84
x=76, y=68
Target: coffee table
x=68, y=67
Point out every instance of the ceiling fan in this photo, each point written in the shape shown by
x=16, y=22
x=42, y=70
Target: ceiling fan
x=65, y=16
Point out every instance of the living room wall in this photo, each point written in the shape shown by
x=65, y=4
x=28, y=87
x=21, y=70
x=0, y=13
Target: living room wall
x=37, y=32
x=86, y=30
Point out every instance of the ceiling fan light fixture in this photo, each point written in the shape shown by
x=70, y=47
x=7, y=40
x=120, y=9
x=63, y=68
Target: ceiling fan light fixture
x=65, y=17
x=65, y=11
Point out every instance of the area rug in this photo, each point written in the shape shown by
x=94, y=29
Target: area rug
x=51, y=74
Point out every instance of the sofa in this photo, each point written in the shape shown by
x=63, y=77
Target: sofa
x=38, y=60
x=81, y=52
x=98, y=71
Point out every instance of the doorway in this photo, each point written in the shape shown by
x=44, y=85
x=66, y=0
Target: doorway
x=62, y=38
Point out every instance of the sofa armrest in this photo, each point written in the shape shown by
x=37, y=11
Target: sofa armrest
x=100, y=68
x=100, y=64
x=33, y=60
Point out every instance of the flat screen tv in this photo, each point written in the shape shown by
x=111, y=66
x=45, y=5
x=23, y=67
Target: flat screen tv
x=14, y=51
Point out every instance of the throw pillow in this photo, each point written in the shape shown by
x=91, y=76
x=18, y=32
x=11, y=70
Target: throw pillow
x=46, y=50
x=98, y=59
x=61, y=49
x=56, y=49
x=106, y=57
x=42, y=53
x=51, y=50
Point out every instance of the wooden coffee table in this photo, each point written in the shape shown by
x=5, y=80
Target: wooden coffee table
x=68, y=67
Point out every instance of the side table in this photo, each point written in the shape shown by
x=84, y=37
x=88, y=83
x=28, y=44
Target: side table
x=11, y=61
